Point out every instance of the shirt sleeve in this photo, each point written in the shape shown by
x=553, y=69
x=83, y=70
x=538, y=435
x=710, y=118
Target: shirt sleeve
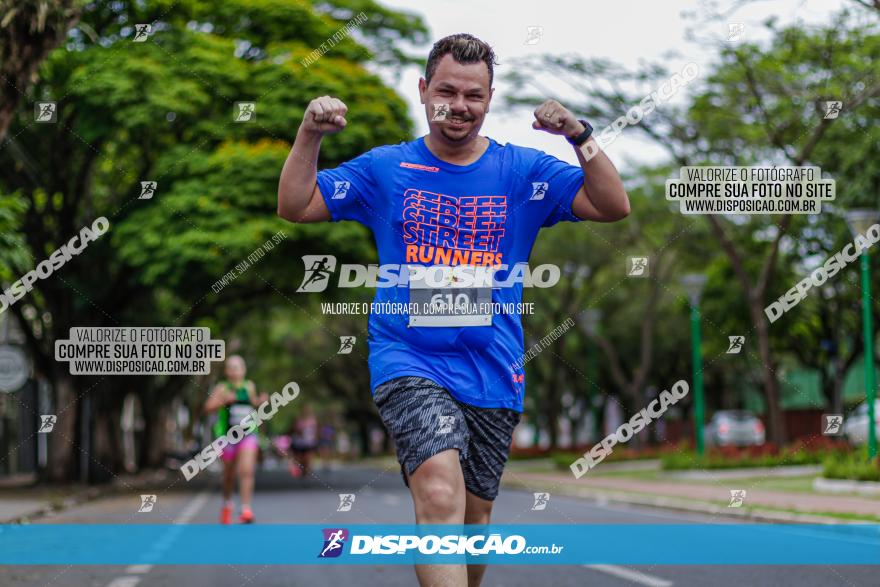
x=563, y=182
x=350, y=190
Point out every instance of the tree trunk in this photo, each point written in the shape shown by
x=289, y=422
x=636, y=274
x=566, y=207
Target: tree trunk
x=62, y=439
x=775, y=422
x=29, y=31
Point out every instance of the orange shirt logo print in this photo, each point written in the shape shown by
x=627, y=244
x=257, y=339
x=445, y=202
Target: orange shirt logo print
x=447, y=230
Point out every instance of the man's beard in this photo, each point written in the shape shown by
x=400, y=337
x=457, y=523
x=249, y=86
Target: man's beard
x=458, y=138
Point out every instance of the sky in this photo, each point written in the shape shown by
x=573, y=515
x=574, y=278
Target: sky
x=628, y=32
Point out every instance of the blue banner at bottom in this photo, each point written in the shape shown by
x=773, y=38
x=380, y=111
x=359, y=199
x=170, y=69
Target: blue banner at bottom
x=624, y=544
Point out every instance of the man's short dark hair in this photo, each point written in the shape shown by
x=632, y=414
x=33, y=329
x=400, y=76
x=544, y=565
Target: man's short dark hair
x=465, y=49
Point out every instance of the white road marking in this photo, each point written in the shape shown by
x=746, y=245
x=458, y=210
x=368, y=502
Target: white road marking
x=192, y=508
x=631, y=575
x=138, y=569
x=185, y=517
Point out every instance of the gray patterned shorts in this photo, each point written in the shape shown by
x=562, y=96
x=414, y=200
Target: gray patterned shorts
x=424, y=420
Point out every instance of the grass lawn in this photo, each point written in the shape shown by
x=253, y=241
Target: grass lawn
x=800, y=484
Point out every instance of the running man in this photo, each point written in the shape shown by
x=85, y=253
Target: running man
x=449, y=393
x=233, y=399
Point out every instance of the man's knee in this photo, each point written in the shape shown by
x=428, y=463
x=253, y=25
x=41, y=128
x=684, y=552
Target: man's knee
x=439, y=497
x=479, y=511
x=438, y=488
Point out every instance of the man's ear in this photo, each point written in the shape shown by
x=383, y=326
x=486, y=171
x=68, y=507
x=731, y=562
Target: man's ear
x=489, y=101
x=423, y=90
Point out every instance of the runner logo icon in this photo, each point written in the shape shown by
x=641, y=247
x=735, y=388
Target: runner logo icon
x=148, y=189
x=45, y=112
x=334, y=541
x=539, y=188
x=441, y=111
x=832, y=424
x=541, y=501
x=318, y=270
x=340, y=189
x=346, y=500
x=737, y=497
x=147, y=503
x=638, y=267
x=832, y=109
x=141, y=32
x=736, y=344
x=346, y=344
x=445, y=424
x=47, y=423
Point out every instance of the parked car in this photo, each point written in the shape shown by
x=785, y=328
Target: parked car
x=855, y=426
x=734, y=428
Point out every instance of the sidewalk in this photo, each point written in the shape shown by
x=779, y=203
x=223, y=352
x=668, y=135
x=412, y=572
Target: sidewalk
x=708, y=498
x=21, y=500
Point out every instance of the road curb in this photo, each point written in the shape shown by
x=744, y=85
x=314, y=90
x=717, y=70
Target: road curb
x=676, y=504
x=89, y=494
x=824, y=485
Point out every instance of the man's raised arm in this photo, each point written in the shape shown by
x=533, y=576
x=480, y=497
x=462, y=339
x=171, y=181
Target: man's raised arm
x=602, y=198
x=299, y=199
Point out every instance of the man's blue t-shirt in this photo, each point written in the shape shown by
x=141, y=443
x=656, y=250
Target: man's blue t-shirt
x=424, y=211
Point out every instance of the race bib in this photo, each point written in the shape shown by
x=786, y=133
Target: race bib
x=237, y=412
x=450, y=296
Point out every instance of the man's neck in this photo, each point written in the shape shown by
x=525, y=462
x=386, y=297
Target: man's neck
x=457, y=154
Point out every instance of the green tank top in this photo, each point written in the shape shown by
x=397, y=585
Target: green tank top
x=230, y=415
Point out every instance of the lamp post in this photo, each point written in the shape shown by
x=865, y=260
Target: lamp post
x=693, y=284
x=589, y=322
x=859, y=221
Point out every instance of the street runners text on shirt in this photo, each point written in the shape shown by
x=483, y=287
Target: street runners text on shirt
x=450, y=230
x=402, y=309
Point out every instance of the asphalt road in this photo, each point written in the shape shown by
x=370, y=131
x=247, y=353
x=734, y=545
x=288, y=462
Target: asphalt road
x=382, y=498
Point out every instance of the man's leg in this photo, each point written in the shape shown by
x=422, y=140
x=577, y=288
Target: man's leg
x=477, y=511
x=438, y=493
x=429, y=433
x=491, y=432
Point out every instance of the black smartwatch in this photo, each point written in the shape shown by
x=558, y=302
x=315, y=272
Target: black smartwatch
x=582, y=138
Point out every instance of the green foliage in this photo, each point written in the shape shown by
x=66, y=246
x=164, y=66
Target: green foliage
x=13, y=254
x=854, y=466
x=757, y=103
x=685, y=460
x=163, y=110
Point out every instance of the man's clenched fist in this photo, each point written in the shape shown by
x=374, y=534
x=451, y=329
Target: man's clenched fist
x=324, y=115
x=553, y=117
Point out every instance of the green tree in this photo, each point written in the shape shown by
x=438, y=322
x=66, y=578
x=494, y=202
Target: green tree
x=29, y=31
x=162, y=110
x=759, y=104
